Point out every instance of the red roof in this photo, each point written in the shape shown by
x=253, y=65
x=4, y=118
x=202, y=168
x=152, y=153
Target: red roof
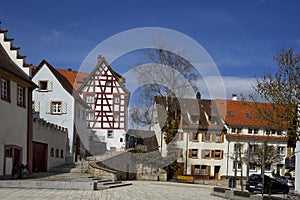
x=75, y=78
x=239, y=113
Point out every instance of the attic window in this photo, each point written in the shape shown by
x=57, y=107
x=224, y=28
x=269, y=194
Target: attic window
x=43, y=85
x=194, y=119
x=230, y=113
x=248, y=115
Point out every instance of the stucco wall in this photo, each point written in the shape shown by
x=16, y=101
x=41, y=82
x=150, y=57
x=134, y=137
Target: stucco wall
x=115, y=141
x=54, y=136
x=58, y=93
x=13, y=120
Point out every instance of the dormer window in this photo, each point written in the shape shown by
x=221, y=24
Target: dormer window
x=248, y=115
x=230, y=113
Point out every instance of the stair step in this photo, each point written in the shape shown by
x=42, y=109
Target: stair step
x=120, y=185
x=112, y=183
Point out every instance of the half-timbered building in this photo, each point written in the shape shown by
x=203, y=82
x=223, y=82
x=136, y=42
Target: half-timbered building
x=106, y=95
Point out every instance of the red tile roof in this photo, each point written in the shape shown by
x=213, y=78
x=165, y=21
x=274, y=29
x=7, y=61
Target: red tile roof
x=239, y=113
x=75, y=78
x=254, y=137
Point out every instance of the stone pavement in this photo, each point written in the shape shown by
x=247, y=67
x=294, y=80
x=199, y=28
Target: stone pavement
x=138, y=190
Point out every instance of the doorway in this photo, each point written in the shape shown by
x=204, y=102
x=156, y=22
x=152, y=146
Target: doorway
x=40, y=158
x=217, y=172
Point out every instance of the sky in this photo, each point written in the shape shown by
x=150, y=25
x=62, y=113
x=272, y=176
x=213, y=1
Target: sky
x=240, y=36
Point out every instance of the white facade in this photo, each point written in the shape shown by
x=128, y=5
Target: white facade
x=14, y=131
x=56, y=104
x=107, y=98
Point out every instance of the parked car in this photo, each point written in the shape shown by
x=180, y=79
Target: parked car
x=287, y=180
x=254, y=183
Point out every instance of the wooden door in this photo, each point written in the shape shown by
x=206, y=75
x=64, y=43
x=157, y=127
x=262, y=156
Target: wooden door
x=40, y=152
x=217, y=171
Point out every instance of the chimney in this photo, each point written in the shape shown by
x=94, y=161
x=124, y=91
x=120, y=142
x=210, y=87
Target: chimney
x=69, y=69
x=234, y=97
x=99, y=58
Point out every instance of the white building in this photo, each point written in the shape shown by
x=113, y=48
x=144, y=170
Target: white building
x=297, y=168
x=246, y=130
x=200, y=136
x=15, y=107
x=106, y=95
x=56, y=101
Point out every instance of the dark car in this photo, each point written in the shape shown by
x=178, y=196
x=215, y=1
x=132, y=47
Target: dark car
x=287, y=180
x=254, y=183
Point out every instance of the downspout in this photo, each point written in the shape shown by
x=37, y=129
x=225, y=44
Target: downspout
x=29, y=131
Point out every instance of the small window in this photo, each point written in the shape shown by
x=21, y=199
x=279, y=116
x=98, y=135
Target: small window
x=207, y=136
x=206, y=153
x=195, y=137
x=238, y=165
x=233, y=130
x=21, y=96
x=273, y=132
x=116, y=117
x=43, y=85
x=197, y=169
x=248, y=115
x=5, y=90
x=239, y=130
x=90, y=116
x=252, y=167
x=279, y=133
x=121, y=139
x=52, y=152
x=116, y=99
x=250, y=130
x=194, y=153
x=56, y=107
x=255, y=131
x=280, y=150
x=89, y=98
x=110, y=134
x=57, y=153
x=218, y=138
x=204, y=170
x=8, y=152
x=217, y=154
x=268, y=167
x=230, y=113
x=108, y=83
x=62, y=153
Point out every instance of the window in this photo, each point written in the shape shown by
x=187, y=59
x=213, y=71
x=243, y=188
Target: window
x=121, y=139
x=273, y=132
x=56, y=107
x=194, y=119
x=238, y=165
x=52, y=152
x=89, y=98
x=280, y=150
x=239, y=130
x=116, y=117
x=193, y=153
x=207, y=136
x=267, y=132
x=116, y=99
x=110, y=134
x=197, y=169
x=248, y=115
x=230, y=113
x=180, y=153
x=250, y=130
x=252, y=167
x=61, y=153
x=43, y=85
x=253, y=148
x=21, y=96
x=57, y=153
x=218, y=154
x=204, y=170
x=233, y=130
x=90, y=116
x=238, y=147
x=218, y=138
x=206, y=153
x=8, y=152
x=279, y=133
x=5, y=90
x=195, y=137
x=108, y=83
x=255, y=131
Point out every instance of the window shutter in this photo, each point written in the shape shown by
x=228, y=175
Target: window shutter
x=64, y=107
x=202, y=153
x=193, y=170
x=212, y=154
x=208, y=170
x=190, y=153
x=48, y=107
x=36, y=106
x=203, y=136
x=221, y=154
x=222, y=137
x=50, y=86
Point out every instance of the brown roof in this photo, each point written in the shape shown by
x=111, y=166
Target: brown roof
x=239, y=113
x=63, y=81
x=75, y=78
x=10, y=66
x=199, y=109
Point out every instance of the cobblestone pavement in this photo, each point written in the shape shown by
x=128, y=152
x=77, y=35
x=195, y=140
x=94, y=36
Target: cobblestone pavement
x=139, y=190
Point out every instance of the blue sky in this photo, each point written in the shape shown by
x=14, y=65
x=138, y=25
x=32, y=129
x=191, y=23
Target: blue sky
x=241, y=36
